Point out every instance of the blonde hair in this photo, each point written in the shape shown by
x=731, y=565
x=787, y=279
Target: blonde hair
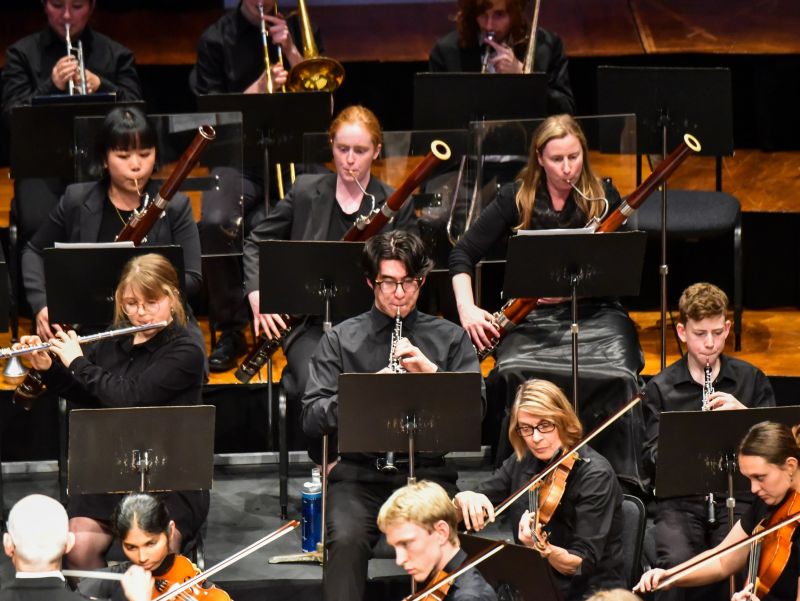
x=533, y=175
x=546, y=400
x=617, y=594
x=153, y=277
x=702, y=300
x=424, y=504
x=360, y=115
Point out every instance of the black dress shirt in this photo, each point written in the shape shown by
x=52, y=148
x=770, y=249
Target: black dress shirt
x=78, y=217
x=471, y=585
x=29, y=65
x=785, y=588
x=165, y=370
x=587, y=522
x=499, y=218
x=37, y=589
x=550, y=58
x=361, y=345
x=230, y=54
x=674, y=389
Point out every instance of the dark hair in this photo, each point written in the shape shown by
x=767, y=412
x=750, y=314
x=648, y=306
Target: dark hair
x=124, y=128
x=143, y=511
x=467, y=20
x=772, y=441
x=396, y=245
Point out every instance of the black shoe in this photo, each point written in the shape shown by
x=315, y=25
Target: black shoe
x=230, y=346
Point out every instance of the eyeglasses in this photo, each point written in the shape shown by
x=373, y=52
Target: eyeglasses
x=525, y=430
x=406, y=284
x=131, y=307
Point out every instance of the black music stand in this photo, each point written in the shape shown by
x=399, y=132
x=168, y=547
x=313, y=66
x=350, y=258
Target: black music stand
x=141, y=449
x=94, y=271
x=317, y=278
x=414, y=412
x=669, y=102
x=479, y=97
x=574, y=263
x=517, y=568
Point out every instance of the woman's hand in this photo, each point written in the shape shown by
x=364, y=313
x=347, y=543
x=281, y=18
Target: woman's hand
x=479, y=324
x=40, y=360
x=43, y=328
x=66, y=347
x=272, y=324
x=65, y=69
x=650, y=580
x=476, y=509
x=137, y=583
x=746, y=594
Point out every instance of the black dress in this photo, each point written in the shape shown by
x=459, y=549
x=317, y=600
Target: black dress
x=609, y=355
x=165, y=370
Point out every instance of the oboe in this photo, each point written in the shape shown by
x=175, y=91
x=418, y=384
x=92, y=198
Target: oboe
x=387, y=465
x=708, y=388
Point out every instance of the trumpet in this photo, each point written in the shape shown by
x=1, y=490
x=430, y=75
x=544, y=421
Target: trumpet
x=77, y=52
x=8, y=351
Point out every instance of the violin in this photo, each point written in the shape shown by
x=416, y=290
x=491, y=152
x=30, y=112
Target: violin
x=545, y=496
x=181, y=570
x=769, y=556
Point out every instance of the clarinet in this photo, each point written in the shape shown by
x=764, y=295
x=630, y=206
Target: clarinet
x=708, y=388
x=387, y=465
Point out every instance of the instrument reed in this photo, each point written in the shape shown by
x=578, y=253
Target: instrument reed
x=11, y=352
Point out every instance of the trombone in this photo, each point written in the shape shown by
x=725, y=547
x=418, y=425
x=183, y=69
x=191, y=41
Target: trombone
x=314, y=73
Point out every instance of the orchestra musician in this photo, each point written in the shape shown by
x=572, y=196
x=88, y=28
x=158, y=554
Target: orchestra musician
x=125, y=158
x=682, y=527
x=230, y=59
x=495, y=32
x=395, y=265
x=142, y=524
x=557, y=189
x=584, y=535
x=155, y=367
x=38, y=536
x=421, y=524
x=321, y=207
x=39, y=65
x=768, y=457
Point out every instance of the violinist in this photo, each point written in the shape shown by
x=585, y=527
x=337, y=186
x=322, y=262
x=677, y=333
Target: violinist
x=37, y=538
x=582, y=540
x=420, y=522
x=705, y=378
x=142, y=524
x=154, y=367
x=768, y=456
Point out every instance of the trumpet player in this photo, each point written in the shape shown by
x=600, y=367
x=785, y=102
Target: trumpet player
x=704, y=377
x=231, y=59
x=491, y=36
x=395, y=266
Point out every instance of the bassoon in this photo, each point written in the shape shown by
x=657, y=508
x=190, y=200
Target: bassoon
x=363, y=229
x=514, y=310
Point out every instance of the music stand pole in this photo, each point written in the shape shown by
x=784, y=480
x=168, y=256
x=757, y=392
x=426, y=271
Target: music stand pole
x=574, y=328
x=663, y=269
x=730, y=504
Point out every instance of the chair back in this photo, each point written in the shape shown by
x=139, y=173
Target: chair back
x=634, y=519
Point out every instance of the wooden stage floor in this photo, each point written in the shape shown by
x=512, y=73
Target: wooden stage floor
x=770, y=340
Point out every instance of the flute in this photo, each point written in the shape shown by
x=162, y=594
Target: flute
x=8, y=352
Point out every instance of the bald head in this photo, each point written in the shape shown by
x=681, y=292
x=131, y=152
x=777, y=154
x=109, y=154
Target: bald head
x=38, y=534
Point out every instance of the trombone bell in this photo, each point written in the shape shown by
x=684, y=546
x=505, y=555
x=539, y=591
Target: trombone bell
x=318, y=74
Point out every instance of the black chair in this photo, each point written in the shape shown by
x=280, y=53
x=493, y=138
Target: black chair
x=634, y=518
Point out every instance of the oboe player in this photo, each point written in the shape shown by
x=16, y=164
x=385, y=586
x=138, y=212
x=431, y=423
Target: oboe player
x=395, y=266
x=155, y=367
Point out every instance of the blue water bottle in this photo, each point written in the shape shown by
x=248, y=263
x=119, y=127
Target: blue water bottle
x=312, y=512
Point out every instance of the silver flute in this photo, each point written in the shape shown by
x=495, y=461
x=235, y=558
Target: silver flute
x=708, y=388
x=387, y=465
x=8, y=352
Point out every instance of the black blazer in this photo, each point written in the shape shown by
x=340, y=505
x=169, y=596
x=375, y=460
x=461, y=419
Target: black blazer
x=77, y=218
x=550, y=58
x=38, y=589
x=305, y=214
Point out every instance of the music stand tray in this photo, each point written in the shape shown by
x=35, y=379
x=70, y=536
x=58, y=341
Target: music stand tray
x=443, y=409
x=702, y=442
x=480, y=97
x=80, y=282
x=107, y=448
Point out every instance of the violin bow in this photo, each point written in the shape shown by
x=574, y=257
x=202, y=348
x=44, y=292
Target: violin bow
x=273, y=536
x=492, y=549
x=552, y=467
x=700, y=562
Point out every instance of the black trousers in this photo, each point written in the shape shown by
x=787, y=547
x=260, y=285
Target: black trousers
x=351, y=526
x=682, y=530
x=299, y=350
